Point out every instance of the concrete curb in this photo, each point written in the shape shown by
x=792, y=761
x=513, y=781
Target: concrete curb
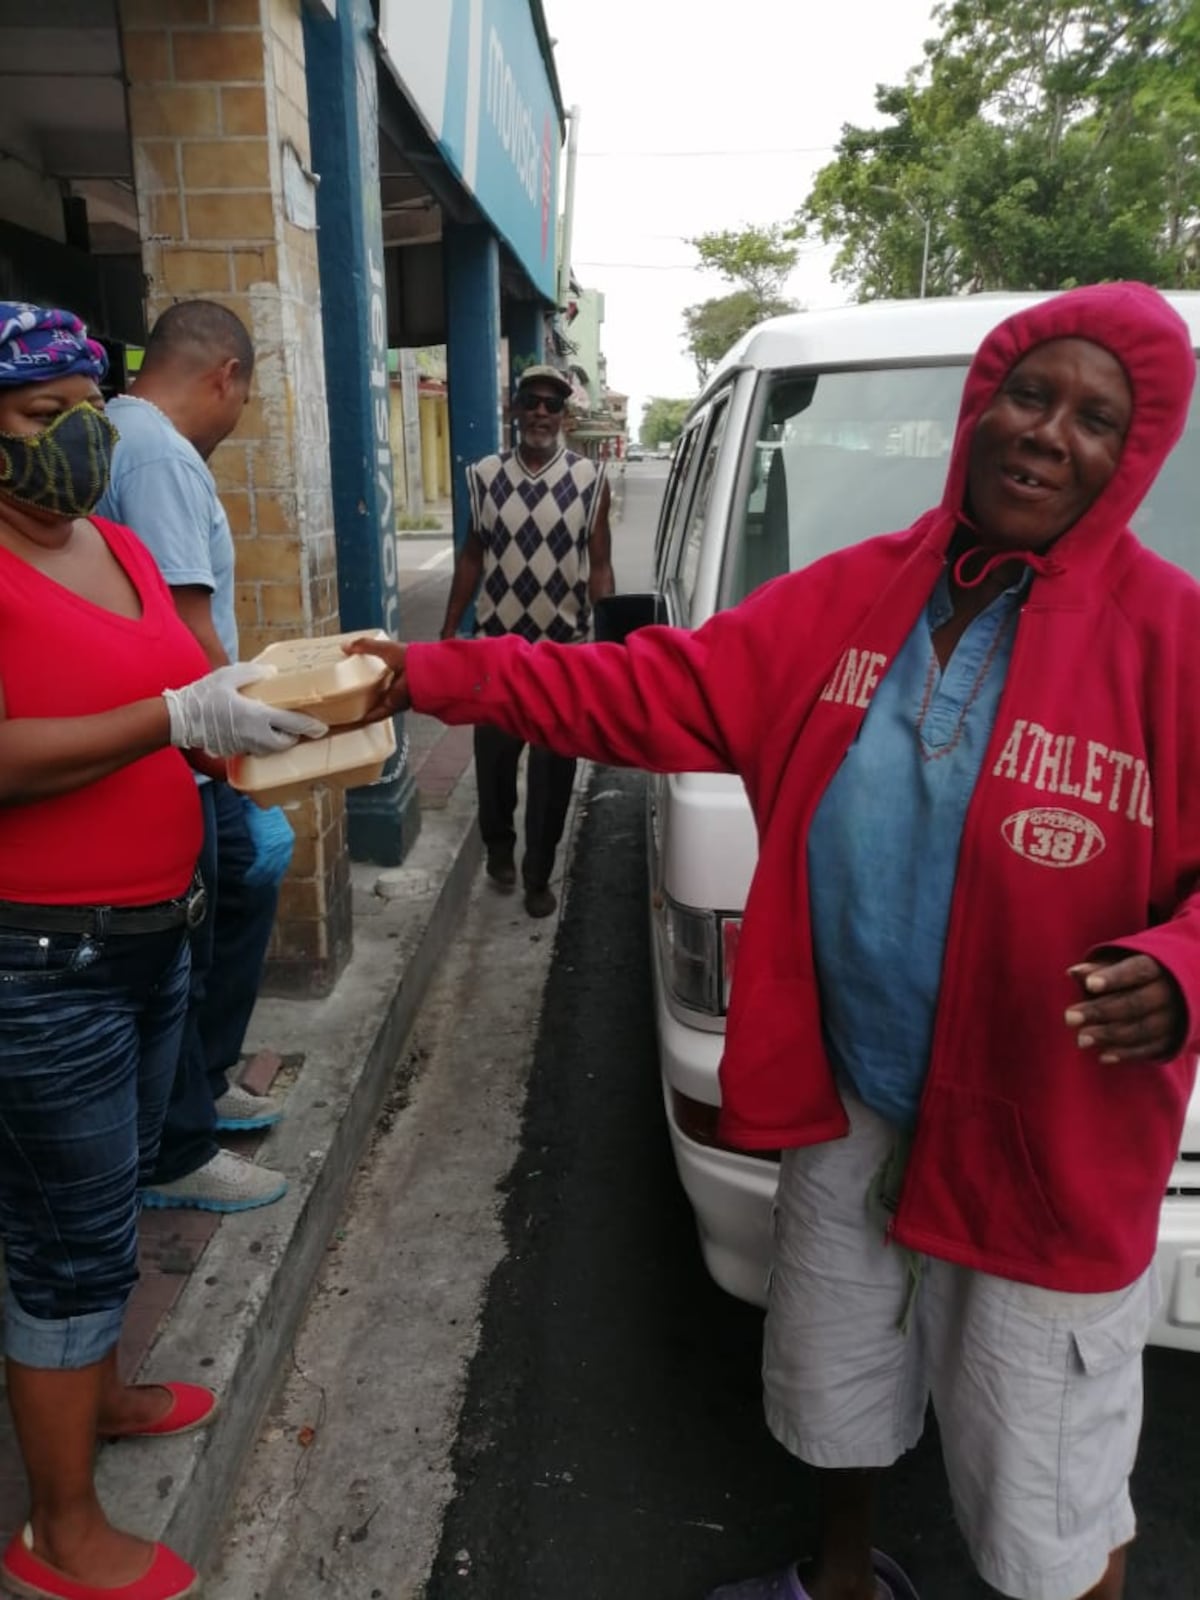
x=234, y=1323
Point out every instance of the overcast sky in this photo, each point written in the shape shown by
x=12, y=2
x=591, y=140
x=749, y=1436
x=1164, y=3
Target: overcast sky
x=761, y=89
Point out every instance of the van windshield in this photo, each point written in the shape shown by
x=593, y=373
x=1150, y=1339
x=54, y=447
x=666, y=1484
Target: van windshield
x=842, y=456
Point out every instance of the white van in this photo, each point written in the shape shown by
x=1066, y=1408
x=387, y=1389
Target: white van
x=819, y=430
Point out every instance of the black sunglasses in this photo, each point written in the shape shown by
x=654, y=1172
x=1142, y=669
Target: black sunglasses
x=552, y=403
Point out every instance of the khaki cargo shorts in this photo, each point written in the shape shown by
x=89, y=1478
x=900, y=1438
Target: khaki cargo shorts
x=1038, y=1394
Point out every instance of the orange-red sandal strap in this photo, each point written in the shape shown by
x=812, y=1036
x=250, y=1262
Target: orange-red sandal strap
x=192, y=1406
x=168, y=1577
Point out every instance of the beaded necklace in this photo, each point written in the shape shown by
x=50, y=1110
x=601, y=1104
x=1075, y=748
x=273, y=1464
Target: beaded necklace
x=981, y=677
x=1044, y=566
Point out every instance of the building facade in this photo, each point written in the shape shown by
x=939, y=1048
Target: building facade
x=352, y=177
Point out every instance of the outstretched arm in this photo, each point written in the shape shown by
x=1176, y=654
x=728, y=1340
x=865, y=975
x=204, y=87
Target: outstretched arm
x=668, y=699
x=45, y=756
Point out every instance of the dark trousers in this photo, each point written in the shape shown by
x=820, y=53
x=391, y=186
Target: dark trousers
x=547, y=798
x=228, y=951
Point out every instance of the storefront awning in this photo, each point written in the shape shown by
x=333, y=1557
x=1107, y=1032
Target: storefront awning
x=475, y=72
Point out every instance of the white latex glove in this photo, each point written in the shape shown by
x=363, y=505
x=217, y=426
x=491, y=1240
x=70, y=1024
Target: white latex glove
x=211, y=715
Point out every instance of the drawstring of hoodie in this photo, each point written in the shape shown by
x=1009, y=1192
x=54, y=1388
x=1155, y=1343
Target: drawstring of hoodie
x=1044, y=566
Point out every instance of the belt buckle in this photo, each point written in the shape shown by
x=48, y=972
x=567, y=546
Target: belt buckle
x=196, y=905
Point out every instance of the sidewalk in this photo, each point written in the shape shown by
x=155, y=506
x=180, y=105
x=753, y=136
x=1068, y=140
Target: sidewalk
x=438, y=512
x=220, y=1298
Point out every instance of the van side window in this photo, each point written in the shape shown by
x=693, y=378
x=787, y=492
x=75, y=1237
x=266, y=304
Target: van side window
x=837, y=457
x=676, y=499
x=689, y=563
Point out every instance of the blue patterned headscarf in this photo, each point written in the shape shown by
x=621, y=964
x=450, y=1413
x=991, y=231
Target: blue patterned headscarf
x=37, y=344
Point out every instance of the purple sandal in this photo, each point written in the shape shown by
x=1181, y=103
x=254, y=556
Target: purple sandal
x=786, y=1585
x=893, y=1578
x=783, y=1585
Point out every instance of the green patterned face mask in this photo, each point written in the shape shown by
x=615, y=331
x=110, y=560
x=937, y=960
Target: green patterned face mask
x=64, y=468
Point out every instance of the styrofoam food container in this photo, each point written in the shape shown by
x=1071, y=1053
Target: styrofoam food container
x=313, y=675
x=347, y=760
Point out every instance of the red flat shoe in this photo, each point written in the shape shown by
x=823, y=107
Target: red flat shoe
x=192, y=1406
x=169, y=1577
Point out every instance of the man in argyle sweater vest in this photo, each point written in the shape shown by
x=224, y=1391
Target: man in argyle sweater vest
x=539, y=552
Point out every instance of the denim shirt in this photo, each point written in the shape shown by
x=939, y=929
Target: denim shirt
x=883, y=850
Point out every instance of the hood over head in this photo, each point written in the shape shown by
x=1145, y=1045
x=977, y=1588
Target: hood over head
x=1137, y=326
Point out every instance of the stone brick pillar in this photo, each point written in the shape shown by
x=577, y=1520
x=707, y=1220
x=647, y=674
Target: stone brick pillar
x=218, y=112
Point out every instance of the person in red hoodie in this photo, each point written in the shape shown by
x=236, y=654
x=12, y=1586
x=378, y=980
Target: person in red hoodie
x=968, y=988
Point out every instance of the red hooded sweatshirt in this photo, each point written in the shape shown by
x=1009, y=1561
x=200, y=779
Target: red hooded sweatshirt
x=1031, y=1159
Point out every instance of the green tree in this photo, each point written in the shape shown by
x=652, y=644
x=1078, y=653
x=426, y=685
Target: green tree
x=756, y=261
x=662, y=420
x=1043, y=142
x=714, y=325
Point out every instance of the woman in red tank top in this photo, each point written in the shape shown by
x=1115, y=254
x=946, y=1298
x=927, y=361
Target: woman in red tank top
x=101, y=688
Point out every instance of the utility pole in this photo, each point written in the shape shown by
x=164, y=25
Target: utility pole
x=925, y=217
x=568, y=217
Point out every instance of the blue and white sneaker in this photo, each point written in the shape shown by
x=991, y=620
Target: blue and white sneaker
x=225, y=1183
x=239, y=1111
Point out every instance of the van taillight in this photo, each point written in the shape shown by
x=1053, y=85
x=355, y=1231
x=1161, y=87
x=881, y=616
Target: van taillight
x=699, y=949
x=697, y=1121
x=690, y=948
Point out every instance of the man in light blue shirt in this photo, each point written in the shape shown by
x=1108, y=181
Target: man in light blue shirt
x=163, y=489
x=190, y=393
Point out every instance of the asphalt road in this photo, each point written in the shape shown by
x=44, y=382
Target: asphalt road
x=639, y=495
x=611, y=1443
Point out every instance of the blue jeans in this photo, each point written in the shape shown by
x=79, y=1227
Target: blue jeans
x=228, y=951
x=89, y=1036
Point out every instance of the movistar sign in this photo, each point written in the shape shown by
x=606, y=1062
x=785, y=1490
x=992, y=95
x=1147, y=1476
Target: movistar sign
x=474, y=74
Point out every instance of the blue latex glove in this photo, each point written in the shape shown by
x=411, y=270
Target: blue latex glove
x=271, y=834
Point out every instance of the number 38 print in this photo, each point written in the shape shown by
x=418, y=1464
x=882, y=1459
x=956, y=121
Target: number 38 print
x=1052, y=838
